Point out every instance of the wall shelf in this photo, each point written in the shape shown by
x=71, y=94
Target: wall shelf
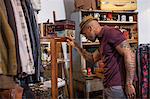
x=132, y=41
x=107, y=11
x=118, y=22
x=90, y=43
x=127, y=24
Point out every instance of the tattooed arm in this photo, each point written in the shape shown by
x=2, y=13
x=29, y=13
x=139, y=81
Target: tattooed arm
x=91, y=57
x=129, y=59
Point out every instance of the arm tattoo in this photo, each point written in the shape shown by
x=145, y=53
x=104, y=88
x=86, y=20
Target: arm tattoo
x=124, y=44
x=129, y=58
x=87, y=55
x=130, y=69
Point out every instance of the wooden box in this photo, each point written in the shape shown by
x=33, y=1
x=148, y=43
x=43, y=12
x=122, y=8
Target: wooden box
x=85, y=4
x=64, y=24
x=118, y=5
x=65, y=28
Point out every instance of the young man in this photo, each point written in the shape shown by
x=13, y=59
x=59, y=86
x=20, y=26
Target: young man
x=116, y=54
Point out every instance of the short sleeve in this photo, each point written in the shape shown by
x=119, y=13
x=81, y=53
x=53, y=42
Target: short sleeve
x=115, y=37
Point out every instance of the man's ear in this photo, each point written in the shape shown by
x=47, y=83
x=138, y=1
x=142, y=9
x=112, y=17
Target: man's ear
x=90, y=28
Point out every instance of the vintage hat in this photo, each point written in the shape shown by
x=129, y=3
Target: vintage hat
x=85, y=21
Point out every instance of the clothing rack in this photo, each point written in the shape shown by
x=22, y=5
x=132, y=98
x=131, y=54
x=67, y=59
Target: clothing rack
x=143, y=71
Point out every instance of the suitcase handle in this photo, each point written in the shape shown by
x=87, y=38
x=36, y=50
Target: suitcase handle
x=120, y=5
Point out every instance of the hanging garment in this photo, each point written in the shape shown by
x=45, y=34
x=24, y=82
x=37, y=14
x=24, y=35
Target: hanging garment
x=8, y=63
x=34, y=35
x=138, y=72
x=6, y=82
x=3, y=7
x=12, y=23
x=36, y=4
x=148, y=49
x=25, y=50
x=143, y=70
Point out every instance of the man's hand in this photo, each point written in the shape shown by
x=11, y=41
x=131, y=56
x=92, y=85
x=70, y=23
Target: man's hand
x=70, y=41
x=130, y=91
x=87, y=55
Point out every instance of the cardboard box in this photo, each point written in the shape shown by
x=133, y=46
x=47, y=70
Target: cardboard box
x=85, y=4
x=119, y=5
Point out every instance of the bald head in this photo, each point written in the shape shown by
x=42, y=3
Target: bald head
x=91, y=30
x=94, y=25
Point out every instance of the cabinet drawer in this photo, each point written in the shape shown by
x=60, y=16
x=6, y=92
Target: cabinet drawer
x=118, y=4
x=94, y=85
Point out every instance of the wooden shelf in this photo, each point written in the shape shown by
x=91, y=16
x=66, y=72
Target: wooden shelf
x=104, y=11
x=117, y=22
x=131, y=26
x=90, y=43
x=132, y=41
x=97, y=43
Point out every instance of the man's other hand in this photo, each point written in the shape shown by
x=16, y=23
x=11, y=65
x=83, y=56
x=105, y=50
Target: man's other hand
x=130, y=91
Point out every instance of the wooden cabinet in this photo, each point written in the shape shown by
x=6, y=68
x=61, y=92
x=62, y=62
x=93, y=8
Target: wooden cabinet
x=126, y=21
x=88, y=87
